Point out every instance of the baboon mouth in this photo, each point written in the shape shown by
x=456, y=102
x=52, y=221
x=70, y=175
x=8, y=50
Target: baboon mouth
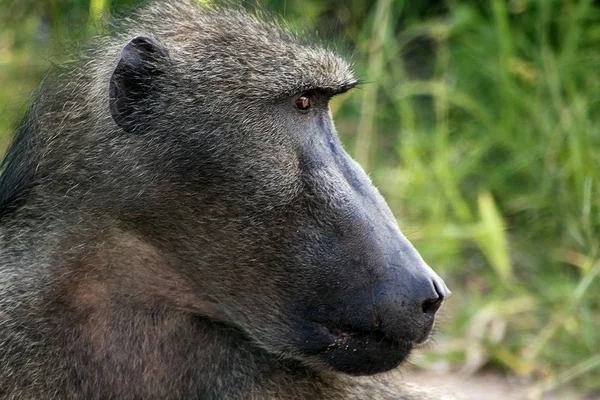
x=360, y=351
x=341, y=337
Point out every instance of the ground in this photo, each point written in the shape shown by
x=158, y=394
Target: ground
x=484, y=386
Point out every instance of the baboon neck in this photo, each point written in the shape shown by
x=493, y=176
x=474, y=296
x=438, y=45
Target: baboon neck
x=122, y=268
x=135, y=329
x=161, y=354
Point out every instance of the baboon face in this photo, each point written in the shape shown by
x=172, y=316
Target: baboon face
x=276, y=227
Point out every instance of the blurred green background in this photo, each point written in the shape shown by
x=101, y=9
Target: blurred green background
x=480, y=123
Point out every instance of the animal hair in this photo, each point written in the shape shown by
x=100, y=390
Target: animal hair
x=132, y=250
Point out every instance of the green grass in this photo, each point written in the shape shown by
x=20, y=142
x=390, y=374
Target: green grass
x=480, y=123
x=494, y=174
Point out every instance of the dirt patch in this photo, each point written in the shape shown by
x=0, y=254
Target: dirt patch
x=485, y=386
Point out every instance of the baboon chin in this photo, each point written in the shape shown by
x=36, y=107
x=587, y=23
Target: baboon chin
x=179, y=220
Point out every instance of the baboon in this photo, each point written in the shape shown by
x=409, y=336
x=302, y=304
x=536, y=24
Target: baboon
x=180, y=221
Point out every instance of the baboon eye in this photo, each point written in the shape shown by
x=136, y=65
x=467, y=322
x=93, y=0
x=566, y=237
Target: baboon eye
x=303, y=103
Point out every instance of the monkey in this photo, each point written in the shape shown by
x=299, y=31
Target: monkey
x=179, y=220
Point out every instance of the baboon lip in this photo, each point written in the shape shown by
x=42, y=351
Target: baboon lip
x=341, y=336
x=347, y=337
x=358, y=351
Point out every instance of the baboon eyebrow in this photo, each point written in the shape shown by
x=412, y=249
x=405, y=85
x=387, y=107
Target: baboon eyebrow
x=337, y=89
x=328, y=89
x=345, y=87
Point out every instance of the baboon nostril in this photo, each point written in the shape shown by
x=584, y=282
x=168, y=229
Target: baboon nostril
x=432, y=304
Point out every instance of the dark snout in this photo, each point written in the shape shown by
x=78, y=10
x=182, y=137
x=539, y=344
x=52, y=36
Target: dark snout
x=375, y=298
x=385, y=319
x=379, y=303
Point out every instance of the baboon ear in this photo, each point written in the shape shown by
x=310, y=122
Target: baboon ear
x=133, y=82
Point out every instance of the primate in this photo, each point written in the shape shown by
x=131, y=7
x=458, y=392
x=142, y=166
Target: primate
x=178, y=220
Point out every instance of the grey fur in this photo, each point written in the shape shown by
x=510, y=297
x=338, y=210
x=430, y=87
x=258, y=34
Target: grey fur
x=187, y=259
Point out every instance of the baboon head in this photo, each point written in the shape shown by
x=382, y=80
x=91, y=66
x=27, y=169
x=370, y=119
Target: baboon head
x=279, y=232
